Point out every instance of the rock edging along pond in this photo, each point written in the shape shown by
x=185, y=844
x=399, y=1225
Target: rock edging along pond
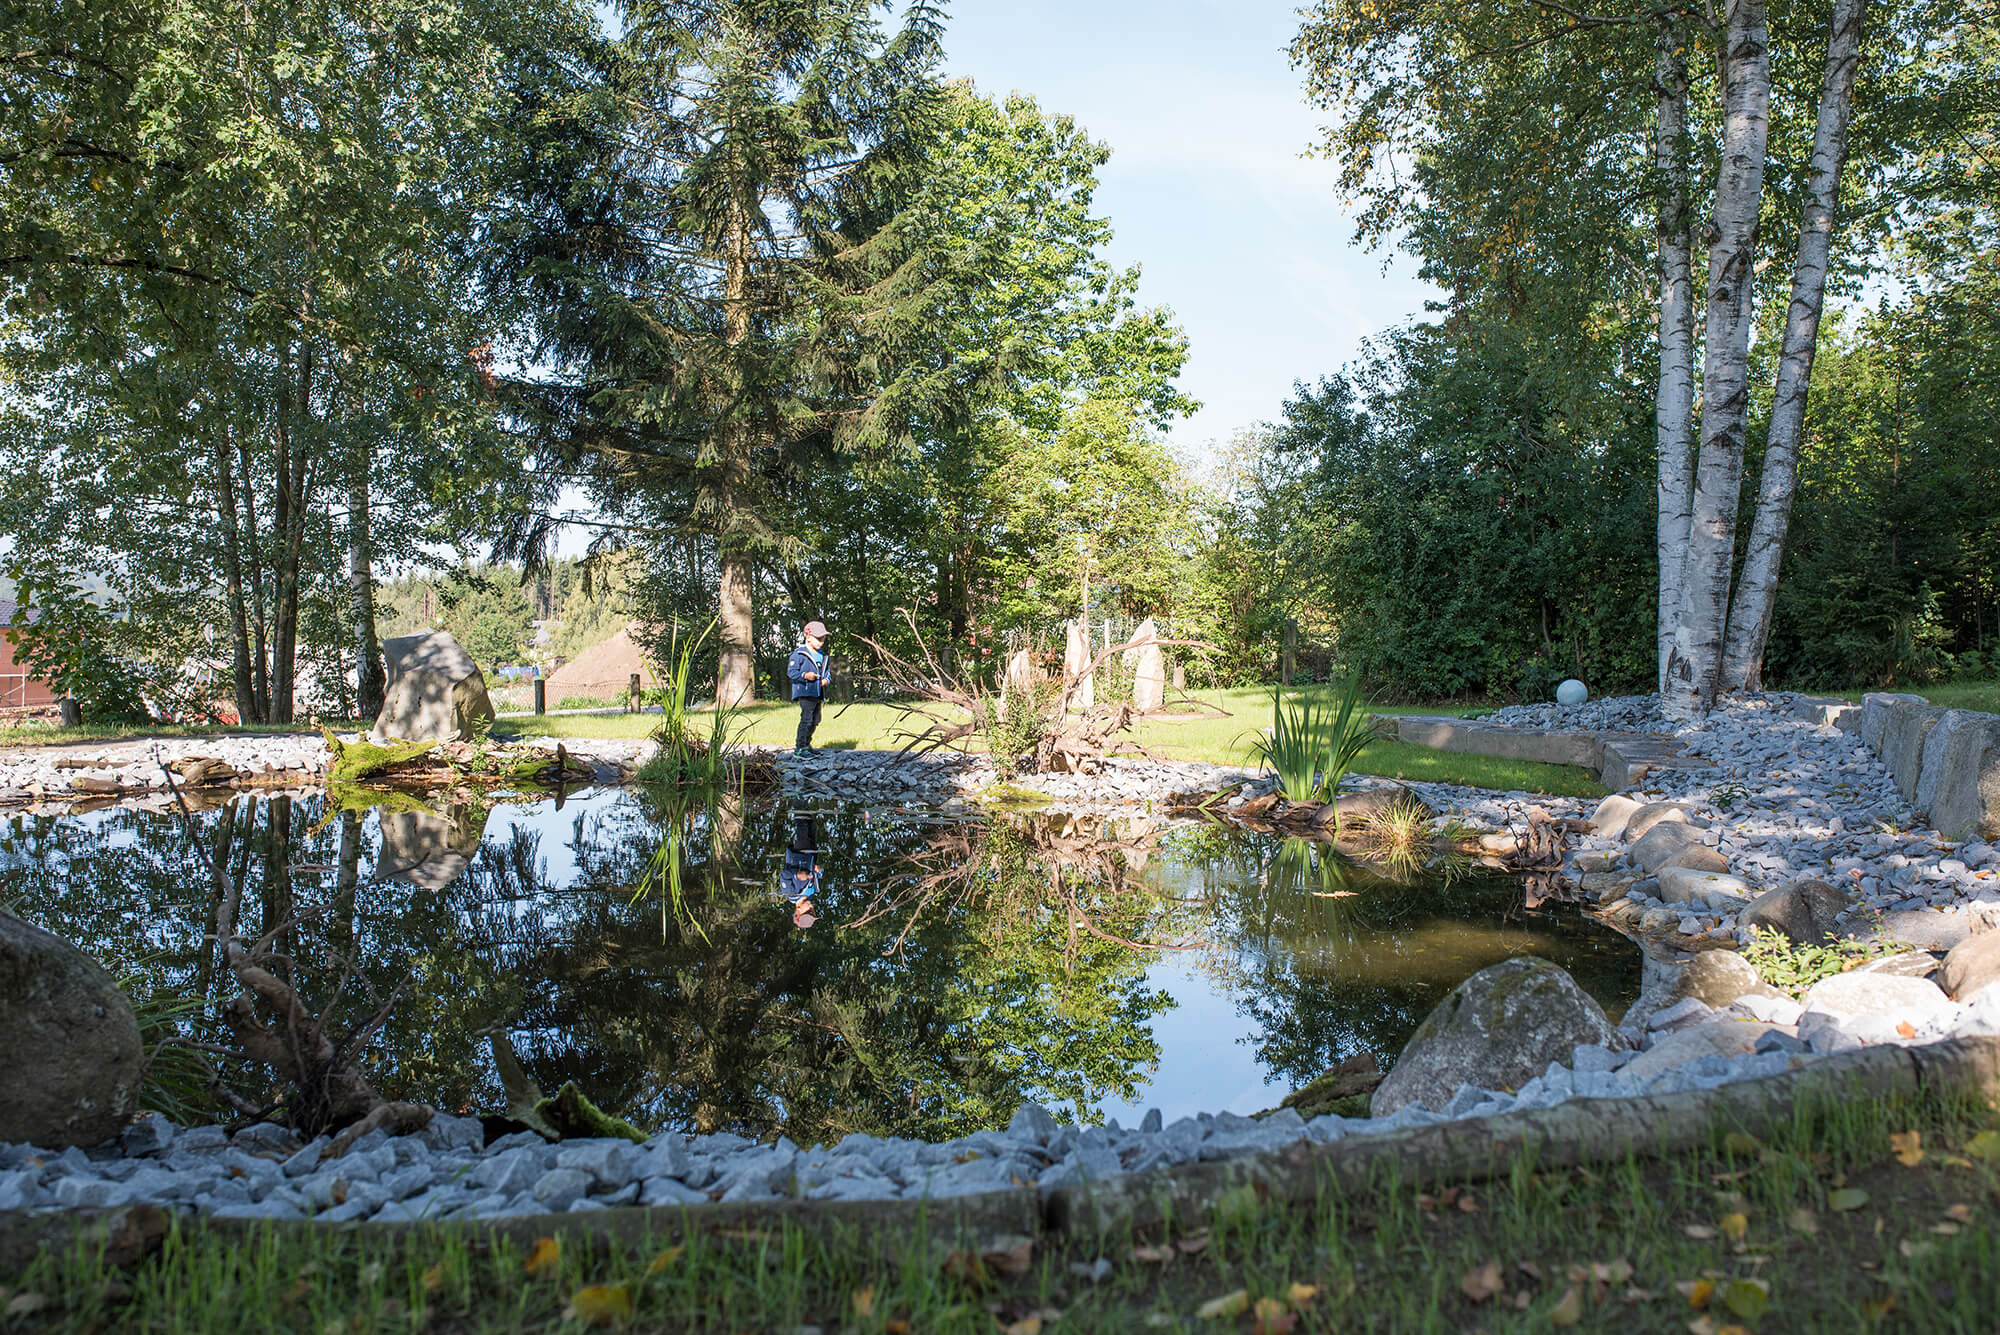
x=1577, y=1133
x=447, y=1171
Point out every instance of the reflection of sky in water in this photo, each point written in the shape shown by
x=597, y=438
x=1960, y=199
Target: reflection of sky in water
x=1287, y=982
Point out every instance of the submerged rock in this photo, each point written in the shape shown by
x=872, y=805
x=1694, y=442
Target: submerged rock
x=69, y=1043
x=1498, y=1029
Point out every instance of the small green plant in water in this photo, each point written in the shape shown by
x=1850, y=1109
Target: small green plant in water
x=1312, y=747
x=1792, y=966
x=690, y=753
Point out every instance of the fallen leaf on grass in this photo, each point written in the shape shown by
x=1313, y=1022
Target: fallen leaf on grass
x=1699, y=1232
x=433, y=1279
x=1569, y=1308
x=1960, y=1213
x=1908, y=1147
x=26, y=1304
x=1879, y=1307
x=1734, y=1226
x=1847, y=1198
x=1985, y=1145
x=1016, y=1260
x=1803, y=1221
x=1193, y=1244
x=600, y=1305
x=1945, y=1228
x=1696, y=1291
x=965, y=1267
x=546, y=1256
x=1747, y=1298
x=1741, y=1143
x=862, y=1300
x=664, y=1259
x=1030, y=1324
x=1272, y=1318
x=1228, y=1305
x=895, y=1325
x=1914, y=1249
x=1483, y=1283
x=1153, y=1255
x=1301, y=1294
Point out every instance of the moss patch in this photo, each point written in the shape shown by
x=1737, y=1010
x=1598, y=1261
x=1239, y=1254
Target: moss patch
x=355, y=761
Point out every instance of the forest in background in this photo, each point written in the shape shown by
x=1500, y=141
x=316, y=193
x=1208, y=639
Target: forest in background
x=316, y=313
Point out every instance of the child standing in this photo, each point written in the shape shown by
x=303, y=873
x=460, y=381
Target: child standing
x=807, y=670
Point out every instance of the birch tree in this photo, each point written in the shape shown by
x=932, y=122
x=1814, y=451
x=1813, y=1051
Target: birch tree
x=1757, y=586
x=1673, y=414
x=1695, y=662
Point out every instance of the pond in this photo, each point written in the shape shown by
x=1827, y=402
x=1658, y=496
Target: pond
x=647, y=951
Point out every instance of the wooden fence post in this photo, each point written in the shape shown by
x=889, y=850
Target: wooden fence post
x=541, y=695
x=632, y=705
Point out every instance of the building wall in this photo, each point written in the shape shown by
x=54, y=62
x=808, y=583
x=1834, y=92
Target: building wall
x=17, y=689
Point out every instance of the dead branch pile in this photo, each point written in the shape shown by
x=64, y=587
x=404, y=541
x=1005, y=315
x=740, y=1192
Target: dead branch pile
x=1060, y=739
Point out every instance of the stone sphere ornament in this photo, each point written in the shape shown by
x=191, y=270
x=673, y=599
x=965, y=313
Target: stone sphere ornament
x=1572, y=693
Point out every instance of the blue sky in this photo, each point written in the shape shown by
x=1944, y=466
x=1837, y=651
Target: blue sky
x=1207, y=188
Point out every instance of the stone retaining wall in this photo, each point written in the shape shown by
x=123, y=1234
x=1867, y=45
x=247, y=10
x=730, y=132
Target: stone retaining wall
x=1618, y=759
x=1946, y=762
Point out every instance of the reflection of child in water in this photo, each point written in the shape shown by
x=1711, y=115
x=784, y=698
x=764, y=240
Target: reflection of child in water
x=800, y=876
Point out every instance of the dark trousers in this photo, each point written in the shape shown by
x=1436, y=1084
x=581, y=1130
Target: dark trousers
x=808, y=719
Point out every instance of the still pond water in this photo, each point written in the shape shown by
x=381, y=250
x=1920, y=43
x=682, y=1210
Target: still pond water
x=648, y=952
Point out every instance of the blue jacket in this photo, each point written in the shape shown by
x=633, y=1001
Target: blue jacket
x=804, y=660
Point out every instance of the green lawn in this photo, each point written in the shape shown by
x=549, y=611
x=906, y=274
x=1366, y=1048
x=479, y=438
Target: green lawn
x=1827, y=1226
x=1983, y=696
x=1224, y=739
x=1221, y=739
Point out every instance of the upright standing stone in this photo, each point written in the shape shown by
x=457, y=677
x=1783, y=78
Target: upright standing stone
x=1021, y=672
x=1076, y=665
x=1149, y=676
x=435, y=694
x=69, y=1043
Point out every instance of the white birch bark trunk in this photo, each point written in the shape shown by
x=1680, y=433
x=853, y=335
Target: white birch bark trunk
x=1694, y=667
x=1757, y=587
x=1673, y=415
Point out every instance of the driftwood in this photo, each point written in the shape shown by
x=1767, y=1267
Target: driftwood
x=329, y=1091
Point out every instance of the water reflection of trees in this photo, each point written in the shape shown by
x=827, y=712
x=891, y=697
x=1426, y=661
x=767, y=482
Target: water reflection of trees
x=1331, y=958
x=723, y=1017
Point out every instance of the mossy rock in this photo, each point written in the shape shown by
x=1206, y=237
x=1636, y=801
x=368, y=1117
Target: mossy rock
x=357, y=760
x=573, y=1116
x=1012, y=797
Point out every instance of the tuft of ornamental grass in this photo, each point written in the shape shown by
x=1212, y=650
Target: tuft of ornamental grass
x=1312, y=745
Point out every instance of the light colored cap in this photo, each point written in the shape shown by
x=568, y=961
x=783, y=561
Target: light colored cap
x=816, y=628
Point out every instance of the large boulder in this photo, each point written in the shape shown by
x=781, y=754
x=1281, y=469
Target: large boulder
x=69, y=1043
x=1611, y=814
x=1972, y=966
x=1805, y=911
x=435, y=693
x=1662, y=841
x=1498, y=1029
x=1871, y=994
x=1959, y=782
x=1723, y=1037
x=1653, y=813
